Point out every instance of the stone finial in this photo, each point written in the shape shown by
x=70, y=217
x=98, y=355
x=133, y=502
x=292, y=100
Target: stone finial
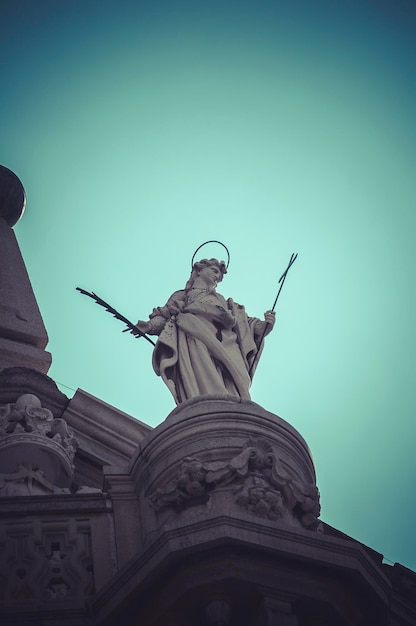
x=12, y=196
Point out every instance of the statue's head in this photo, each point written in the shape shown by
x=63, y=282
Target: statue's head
x=199, y=266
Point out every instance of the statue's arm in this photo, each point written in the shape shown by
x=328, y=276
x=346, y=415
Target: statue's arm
x=259, y=327
x=265, y=326
x=154, y=326
x=160, y=314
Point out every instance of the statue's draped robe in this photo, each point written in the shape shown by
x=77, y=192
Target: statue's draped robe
x=207, y=347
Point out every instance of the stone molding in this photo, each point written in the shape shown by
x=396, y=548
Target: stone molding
x=300, y=549
x=104, y=432
x=14, y=354
x=64, y=502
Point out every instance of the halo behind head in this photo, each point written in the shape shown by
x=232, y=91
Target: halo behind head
x=212, y=241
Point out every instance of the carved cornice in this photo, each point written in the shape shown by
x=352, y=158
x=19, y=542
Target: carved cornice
x=104, y=433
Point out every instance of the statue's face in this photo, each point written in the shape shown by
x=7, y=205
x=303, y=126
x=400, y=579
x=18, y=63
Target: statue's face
x=210, y=274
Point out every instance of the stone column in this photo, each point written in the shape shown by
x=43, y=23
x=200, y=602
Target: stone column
x=23, y=337
x=121, y=490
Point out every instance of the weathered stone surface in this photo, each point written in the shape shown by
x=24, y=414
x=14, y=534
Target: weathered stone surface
x=23, y=336
x=13, y=354
x=20, y=318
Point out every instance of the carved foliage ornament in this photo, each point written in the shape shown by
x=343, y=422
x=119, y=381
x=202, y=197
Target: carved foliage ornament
x=262, y=485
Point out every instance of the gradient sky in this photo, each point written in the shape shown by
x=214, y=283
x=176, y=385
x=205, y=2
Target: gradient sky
x=142, y=129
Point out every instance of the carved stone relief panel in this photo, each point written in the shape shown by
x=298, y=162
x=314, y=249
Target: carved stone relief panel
x=261, y=485
x=44, y=562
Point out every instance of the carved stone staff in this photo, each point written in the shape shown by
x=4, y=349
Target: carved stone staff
x=130, y=326
x=281, y=281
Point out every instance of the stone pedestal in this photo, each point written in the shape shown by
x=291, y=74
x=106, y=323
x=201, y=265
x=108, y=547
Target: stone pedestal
x=225, y=457
x=229, y=531
x=222, y=484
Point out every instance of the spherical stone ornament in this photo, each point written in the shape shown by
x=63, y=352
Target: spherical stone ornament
x=27, y=399
x=12, y=196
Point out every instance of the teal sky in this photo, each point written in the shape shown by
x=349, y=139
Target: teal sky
x=142, y=129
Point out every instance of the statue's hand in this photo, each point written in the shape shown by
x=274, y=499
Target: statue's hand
x=144, y=327
x=176, y=306
x=270, y=318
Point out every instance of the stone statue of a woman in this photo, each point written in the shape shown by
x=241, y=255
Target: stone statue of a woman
x=206, y=344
